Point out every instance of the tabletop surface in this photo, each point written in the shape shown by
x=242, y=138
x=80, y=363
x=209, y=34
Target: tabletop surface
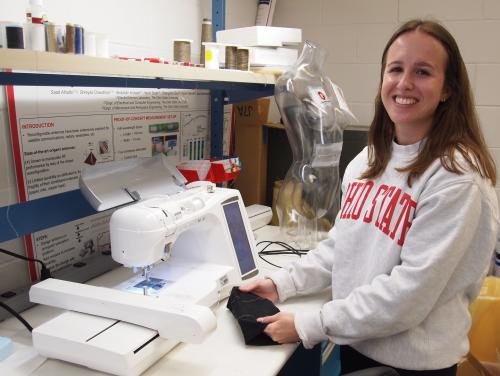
x=222, y=353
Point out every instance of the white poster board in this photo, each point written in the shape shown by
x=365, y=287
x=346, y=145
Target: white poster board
x=56, y=131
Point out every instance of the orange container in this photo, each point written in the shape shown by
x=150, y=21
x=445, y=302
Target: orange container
x=484, y=334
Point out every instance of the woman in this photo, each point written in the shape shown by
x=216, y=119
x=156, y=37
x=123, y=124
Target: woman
x=417, y=227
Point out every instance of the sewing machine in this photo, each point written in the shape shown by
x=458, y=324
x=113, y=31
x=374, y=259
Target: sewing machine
x=190, y=245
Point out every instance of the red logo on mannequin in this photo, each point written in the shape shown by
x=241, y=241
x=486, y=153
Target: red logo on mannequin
x=322, y=95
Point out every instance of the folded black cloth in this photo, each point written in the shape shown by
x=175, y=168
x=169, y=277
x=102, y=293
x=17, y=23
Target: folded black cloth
x=246, y=307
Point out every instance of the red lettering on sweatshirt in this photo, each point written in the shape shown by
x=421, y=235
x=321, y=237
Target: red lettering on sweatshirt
x=360, y=202
x=407, y=213
x=350, y=195
x=381, y=191
x=387, y=193
x=356, y=195
x=394, y=208
x=389, y=210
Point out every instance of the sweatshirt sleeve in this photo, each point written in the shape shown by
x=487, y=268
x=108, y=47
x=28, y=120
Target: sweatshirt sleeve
x=448, y=223
x=310, y=274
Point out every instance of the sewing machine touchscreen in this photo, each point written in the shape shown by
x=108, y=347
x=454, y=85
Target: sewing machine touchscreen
x=239, y=237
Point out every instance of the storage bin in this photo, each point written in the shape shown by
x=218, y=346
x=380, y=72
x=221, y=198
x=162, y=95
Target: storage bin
x=484, y=335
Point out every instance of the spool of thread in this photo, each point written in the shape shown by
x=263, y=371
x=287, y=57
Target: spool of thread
x=206, y=36
x=78, y=39
x=231, y=57
x=70, y=38
x=3, y=31
x=14, y=36
x=264, y=13
x=211, y=55
x=51, y=37
x=90, y=43
x=182, y=50
x=243, y=58
x=61, y=38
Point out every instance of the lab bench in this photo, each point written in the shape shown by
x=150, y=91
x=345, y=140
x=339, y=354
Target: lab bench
x=222, y=353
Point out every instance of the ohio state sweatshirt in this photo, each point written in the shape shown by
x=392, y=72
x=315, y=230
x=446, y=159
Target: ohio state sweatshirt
x=404, y=263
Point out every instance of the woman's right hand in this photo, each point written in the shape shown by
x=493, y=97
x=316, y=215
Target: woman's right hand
x=265, y=288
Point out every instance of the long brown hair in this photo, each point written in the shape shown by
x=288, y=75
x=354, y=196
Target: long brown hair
x=455, y=125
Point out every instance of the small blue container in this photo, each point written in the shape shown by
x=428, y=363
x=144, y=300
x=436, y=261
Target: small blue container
x=6, y=348
x=78, y=39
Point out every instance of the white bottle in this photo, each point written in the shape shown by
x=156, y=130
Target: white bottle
x=27, y=28
x=37, y=12
x=35, y=30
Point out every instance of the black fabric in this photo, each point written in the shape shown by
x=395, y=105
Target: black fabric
x=246, y=309
x=352, y=360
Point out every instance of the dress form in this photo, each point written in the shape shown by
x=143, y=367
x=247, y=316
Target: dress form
x=314, y=113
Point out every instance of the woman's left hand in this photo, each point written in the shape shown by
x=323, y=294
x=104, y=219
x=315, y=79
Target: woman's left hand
x=280, y=327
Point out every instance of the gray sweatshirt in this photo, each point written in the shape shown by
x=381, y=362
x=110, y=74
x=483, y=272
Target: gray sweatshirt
x=404, y=263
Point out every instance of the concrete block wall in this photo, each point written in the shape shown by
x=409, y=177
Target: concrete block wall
x=356, y=31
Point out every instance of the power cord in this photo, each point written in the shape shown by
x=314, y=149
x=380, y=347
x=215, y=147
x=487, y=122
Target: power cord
x=44, y=271
x=17, y=316
x=286, y=249
x=44, y=274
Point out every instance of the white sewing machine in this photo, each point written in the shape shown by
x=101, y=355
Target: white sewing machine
x=192, y=244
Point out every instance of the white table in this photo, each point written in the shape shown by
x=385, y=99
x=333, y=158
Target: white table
x=222, y=353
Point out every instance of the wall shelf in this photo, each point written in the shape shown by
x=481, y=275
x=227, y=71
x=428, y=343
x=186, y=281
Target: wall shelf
x=32, y=68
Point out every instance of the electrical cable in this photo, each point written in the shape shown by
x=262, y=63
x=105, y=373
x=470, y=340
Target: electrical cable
x=44, y=274
x=17, y=316
x=44, y=271
x=286, y=249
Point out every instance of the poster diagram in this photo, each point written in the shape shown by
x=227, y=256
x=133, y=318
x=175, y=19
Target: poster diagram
x=57, y=132
x=195, y=131
x=73, y=243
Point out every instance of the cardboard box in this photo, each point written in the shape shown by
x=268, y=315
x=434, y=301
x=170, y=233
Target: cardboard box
x=470, y=366
x=254, y=112
x=250, y=146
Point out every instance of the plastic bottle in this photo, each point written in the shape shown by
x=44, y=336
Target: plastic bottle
x=37, y=12
x=27, y=28
x=28, y=14
x=35, y=29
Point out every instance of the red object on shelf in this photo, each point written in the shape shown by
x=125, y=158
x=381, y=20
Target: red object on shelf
x=190, y=175
x=219, y=172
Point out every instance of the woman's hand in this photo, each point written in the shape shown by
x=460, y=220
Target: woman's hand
x=280, y=327
x=265, y=288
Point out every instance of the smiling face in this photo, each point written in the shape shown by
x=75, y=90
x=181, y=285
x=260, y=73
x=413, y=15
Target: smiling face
x=413, y=84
